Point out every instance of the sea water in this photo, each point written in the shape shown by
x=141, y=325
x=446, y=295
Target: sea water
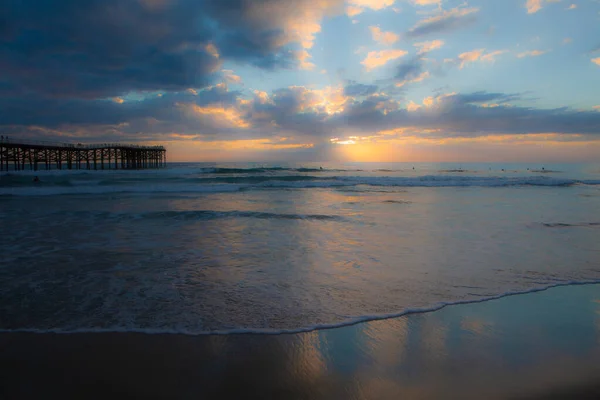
x=206, y=248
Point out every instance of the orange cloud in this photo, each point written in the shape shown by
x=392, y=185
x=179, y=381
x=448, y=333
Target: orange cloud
x=412, y=106
x=469, y=57
x=212, y=50
x=118, y=100
x=422, y=76
x=302, y=56
x=445, y=15
x=427, y=2
x=231, y=77
x=262, y=97
x=352, y=11
x=386, y=38
x=533, y=6
x=376, y=59
x=532, y=53
x=491, y=57
x=219, y=114
x=596, y=61
x=356, y=7
x=426, y=47
x=472, y=56
x=255, y=144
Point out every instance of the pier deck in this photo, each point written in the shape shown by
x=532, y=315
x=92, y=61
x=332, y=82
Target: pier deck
x=20, y=155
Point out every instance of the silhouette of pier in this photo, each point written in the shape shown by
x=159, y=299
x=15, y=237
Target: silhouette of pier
x=20, y=155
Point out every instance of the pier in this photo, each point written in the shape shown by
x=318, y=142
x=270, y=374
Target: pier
x=20, y=155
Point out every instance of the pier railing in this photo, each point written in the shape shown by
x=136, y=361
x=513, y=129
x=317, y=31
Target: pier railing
x=83, y=146
x=26, y=154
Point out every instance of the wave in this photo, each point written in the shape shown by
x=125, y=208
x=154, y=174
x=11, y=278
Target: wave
x=564, y=225
x=348, y=322
x=199, y=215
x=268, y=169
x=196, y=184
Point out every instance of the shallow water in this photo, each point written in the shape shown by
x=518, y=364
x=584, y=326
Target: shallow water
x=201, y=248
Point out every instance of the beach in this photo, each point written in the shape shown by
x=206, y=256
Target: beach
x=530, y=346
x=307, y=281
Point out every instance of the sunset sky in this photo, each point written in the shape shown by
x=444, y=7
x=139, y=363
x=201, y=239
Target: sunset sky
x=308, y=80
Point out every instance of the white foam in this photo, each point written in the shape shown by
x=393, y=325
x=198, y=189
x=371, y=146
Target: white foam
x=310, y=328
x=152, y=186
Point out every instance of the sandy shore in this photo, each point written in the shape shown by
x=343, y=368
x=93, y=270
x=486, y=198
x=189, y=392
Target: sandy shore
x=539, y=345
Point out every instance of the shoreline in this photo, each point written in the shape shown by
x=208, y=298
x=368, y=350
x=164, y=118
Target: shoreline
x=535, y=345
x=319, y=327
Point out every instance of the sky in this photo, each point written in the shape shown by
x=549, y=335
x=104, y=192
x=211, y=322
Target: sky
x=308, y=80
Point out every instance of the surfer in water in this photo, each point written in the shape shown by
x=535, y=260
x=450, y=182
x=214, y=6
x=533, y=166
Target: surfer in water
x=36, y=179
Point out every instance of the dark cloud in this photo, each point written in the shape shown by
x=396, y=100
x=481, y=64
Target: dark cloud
x=464, y=115
x=410, y=69
x=448, y=21
x=359, y=89
x=481, y=97
x=56, y=112
x=102, y=48
x=290, y=111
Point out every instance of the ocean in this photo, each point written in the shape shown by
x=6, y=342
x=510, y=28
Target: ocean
x=199, y=248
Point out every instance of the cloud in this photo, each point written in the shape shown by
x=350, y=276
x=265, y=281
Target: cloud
x=445, y=21
x=303, y=56
x=469, y=57
x=376, y=59
x=307, y=115
x=230, y=77
x=385, y=38
x=358, y=89
x=532, y=53
x=356, y=7
x=412, y=106
x=491, y=57
x=411, y=71
x=572, y=7
x=353, y=11
x=533, y=6
x=567, y=40
x=472, y=56
x=477, y=114
x=596, y=61
x=97, y=49
x=426, y=47
x=426, y=2
x=101, y=49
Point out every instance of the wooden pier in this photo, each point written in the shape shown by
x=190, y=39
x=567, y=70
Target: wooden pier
x=20, y=155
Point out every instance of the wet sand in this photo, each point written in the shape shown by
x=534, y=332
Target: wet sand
x=537, y=345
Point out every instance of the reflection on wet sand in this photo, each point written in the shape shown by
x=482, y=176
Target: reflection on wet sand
x=519, y=347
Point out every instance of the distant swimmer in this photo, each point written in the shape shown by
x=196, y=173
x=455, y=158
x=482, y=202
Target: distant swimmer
x=36, y=179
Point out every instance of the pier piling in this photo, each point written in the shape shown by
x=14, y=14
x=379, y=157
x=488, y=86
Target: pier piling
x=29, y=155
